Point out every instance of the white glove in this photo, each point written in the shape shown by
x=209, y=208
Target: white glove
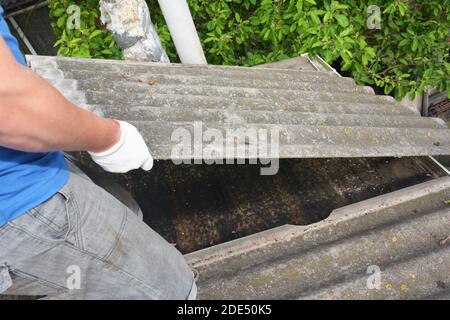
x=131, y=152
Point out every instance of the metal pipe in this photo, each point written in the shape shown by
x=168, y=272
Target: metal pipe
x=440, y=165
x=30, y=8
x=182, y=29
x=22, y=35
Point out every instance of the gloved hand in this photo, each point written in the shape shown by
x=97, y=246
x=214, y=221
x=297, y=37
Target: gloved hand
x=131, y=152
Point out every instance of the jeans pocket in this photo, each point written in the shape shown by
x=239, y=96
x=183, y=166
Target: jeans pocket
x=25, y=284
x=50, y=221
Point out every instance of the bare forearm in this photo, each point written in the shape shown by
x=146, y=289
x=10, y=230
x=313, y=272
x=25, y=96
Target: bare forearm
x=36, y=117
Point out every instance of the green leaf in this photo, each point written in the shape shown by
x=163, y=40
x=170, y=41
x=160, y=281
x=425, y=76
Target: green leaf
x=346, y=58
x=402, y=9
x=94, y=34
x=57, y=43
x=317, y=44
x=327, y=16
x=314, y=17
x=299, y=5
x=58, y=12
x=403, y=43
x=61, y=22
x=74, y=42
x=342, y=20
x=346, y=32
x=364, y=60
x=370, y=52
x=415, y=44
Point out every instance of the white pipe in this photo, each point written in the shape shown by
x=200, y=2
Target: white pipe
x=182, y=29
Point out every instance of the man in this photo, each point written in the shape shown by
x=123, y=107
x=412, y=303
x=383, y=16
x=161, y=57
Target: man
x=61, y=236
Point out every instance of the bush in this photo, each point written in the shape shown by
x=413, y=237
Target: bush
x=405, y=56
x=88, y=40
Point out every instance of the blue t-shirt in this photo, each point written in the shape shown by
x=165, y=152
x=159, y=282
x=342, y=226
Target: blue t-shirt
x=26, y=179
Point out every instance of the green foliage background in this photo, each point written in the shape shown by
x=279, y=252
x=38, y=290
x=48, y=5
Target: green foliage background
x=91, y=40
x=408, y=54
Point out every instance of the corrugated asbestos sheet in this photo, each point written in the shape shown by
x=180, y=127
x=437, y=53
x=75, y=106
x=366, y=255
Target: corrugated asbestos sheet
x=318, y=114
x=392, y=246
x=299, y=63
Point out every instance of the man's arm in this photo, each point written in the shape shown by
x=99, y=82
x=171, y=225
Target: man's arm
x=35, y=117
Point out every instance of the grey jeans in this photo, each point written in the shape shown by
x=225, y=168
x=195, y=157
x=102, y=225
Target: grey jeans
x=85, y=244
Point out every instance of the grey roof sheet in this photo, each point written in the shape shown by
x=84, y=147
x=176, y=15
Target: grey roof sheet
x=406, y=234
x=317, y=113
x=298, y=63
